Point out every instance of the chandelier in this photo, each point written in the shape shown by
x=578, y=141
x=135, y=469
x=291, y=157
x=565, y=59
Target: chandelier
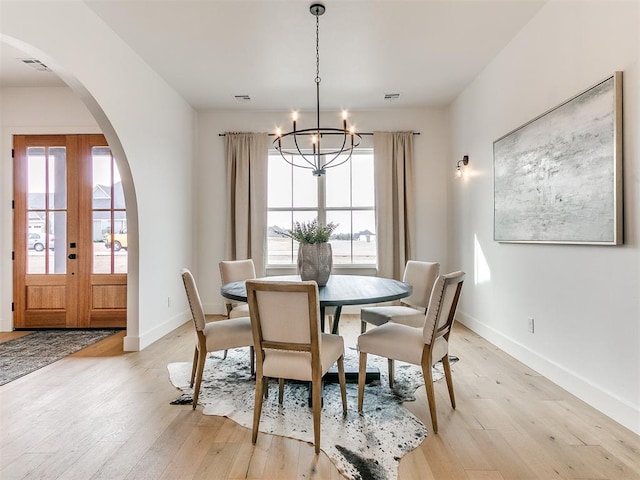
x=330, y=147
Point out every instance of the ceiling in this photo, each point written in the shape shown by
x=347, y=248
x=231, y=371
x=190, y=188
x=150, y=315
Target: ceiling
x=212, y=50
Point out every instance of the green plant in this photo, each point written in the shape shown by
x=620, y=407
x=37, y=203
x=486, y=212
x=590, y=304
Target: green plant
x=311, y=232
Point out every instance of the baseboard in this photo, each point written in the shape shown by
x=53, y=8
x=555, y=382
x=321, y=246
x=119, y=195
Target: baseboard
x=611, y=405
x=147, y=338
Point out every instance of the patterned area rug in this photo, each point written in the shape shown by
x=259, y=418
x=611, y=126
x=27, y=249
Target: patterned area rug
x=23, y=355
x=367, y=446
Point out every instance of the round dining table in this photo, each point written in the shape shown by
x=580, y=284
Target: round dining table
x=340, y=290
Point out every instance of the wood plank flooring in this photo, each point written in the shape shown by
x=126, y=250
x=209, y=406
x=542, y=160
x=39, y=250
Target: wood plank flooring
x=105, y=414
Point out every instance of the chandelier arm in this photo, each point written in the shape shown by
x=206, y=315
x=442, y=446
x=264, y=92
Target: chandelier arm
x=294, y=164
x=326, y=165
x=295, y=141
x=342, y=150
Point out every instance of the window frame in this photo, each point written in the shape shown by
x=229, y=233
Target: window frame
x=322, y=209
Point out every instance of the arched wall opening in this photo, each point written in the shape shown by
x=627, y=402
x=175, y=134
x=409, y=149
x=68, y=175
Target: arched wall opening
x=107, y=129
x=152, y=132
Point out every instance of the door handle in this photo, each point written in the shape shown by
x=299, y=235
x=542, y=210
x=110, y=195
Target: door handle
x=72, y=256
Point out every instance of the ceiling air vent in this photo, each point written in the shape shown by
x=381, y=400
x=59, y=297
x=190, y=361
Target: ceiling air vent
x=242, y=98
x=35, y=64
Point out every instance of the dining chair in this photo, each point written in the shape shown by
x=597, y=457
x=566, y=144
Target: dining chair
x=285, y=317
x=419, y=346
x=421, y=276
x=212, y=336
x=234, y=271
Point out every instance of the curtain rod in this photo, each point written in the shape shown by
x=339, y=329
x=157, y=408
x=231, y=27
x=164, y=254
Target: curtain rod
x=359, y=133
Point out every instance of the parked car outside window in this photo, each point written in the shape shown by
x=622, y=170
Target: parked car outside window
x=36, y=241
x=119, y=240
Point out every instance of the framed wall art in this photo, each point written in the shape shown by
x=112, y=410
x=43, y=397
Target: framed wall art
x=558, y=178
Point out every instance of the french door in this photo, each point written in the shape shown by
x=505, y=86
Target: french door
x=68, y=207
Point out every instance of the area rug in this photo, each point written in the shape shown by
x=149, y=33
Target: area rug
x=24, y=355
x=367, y=446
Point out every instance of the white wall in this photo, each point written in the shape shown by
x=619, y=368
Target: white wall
x=585, y=299
x=151, y=131
x=431, y=172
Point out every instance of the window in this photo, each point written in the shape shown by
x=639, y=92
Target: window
x=344, y=195
x=109, y=229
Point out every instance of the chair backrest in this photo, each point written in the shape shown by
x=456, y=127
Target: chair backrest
x=421, y=276
x=285, y=316
x=236, y=270
x=195, y=304
x=442, y=306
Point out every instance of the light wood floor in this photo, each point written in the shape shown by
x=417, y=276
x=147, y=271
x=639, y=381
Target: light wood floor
x=105, y=414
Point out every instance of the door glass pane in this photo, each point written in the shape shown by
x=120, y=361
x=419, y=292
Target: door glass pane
x=36, y=178
x=46, y=205
x=57, y=178
x=36, y=244
x=57, y=254
x=45, y=249
x=101, y=253
x=109, y=217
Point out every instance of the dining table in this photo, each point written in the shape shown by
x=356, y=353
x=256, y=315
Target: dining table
x=339, y=291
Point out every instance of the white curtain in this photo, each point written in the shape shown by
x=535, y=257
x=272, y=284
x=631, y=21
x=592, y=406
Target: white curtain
x=246, y=163
x=395, y=210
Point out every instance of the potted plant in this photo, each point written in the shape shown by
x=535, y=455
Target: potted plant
x=315, y=258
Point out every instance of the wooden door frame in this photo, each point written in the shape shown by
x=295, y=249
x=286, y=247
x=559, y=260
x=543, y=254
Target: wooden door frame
x=78, y=310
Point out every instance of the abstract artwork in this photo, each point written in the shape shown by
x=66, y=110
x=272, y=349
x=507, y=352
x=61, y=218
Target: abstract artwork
x=558, y=178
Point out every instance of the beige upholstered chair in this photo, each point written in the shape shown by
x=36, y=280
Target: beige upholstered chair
x=212, y=336
x=421, y=276
x=234, y=271
x=420, y=346
x=285, y=317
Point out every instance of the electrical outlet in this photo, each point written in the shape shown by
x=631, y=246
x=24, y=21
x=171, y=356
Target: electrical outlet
x=531, y=325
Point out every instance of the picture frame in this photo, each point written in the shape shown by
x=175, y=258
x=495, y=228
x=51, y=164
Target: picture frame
x=558, y=177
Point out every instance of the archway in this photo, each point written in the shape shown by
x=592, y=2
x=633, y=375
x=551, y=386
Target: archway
x=106, y=127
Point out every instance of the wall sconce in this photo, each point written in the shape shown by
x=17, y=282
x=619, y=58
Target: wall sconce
x=464, y=162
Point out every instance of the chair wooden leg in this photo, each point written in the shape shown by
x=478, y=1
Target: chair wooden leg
x=428, y=384
x=252, y=359
x=362, y=374
x=449, y=378
x=257, y=409
x=316, y=398
x=224, y=355
x=343, y=383
x=363, y=326
x=195, y=365
x=202, y=356
x=391, y=371
x=265, y=382
x=280, y=390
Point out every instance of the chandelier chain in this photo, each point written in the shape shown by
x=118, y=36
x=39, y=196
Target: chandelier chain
x=322, y=156
x=318, y=50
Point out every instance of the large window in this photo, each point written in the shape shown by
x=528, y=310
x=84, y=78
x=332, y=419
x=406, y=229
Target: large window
x=344, y=195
